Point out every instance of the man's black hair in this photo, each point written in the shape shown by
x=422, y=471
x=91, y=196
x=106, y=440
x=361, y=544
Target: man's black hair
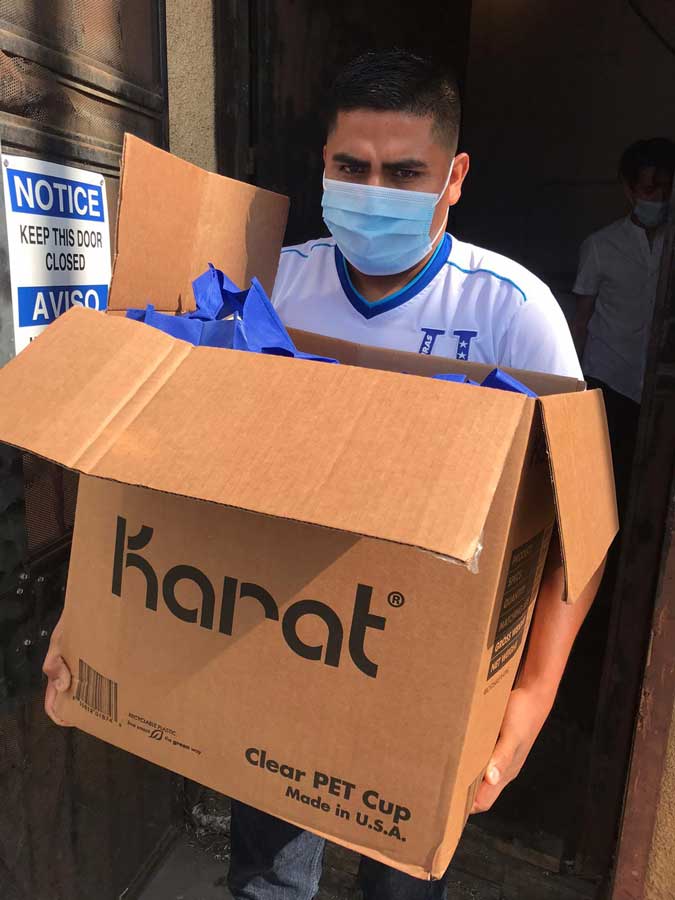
x=399, y=81
x=655, y=153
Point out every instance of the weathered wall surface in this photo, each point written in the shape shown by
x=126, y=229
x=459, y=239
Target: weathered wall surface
x=661, y=875
x=192, y=80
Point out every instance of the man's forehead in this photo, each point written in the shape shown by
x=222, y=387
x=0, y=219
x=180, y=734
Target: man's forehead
x=398, y=133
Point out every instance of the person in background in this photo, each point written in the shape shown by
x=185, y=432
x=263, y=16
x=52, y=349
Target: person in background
x=616, y=288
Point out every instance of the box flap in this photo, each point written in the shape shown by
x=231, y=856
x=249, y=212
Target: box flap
x=174, y=219
x=581, y=465
x=406, y=459
x=371, y=357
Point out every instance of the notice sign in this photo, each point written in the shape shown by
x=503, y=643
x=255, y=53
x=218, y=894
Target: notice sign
x=59, y=242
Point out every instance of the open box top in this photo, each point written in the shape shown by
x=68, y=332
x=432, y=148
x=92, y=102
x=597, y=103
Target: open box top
x=174, y=219
x=376, y=453
x=577, y=439
x=350, y=447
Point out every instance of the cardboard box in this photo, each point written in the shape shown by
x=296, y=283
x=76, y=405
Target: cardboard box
x=307, y=586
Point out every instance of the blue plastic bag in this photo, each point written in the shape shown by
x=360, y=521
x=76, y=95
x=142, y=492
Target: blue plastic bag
x=496, y=379
x=505, y=382
x=455, y=376
x=227, y=317
x=260, y=329
x=216, y=296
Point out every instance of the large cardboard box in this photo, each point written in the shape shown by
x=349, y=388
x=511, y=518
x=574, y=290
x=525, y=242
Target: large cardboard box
x=307, y=586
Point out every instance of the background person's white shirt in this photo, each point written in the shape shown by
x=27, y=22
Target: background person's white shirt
x=618, y=267
x=467, y=303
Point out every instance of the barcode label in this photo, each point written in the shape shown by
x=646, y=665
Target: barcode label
x=97, y=692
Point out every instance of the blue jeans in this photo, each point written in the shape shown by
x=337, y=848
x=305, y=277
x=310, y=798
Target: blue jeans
x=272, y=860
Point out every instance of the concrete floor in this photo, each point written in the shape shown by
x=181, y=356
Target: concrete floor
x=192, y=873
x=188, y=873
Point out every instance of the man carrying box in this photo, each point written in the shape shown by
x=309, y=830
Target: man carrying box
x=390, y=276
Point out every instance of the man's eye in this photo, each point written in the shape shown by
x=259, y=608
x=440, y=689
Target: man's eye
x=349, y=169
x=406, y=174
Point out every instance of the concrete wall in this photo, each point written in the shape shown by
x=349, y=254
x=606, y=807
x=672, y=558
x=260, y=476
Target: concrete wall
x=554, y=93
x=191, y=71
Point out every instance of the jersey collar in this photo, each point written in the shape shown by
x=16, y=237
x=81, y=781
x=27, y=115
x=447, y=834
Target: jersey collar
x=418, y=283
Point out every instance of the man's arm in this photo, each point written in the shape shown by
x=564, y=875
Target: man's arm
x=584, y=311
x=552, y=634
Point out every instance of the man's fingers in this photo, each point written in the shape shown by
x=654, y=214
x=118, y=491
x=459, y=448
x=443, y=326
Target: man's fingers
x=57, y=672
x=497, y=774
x=58, y=682
x=493, y=774
x=501, y=761
x=50, y=699
x=485, y=797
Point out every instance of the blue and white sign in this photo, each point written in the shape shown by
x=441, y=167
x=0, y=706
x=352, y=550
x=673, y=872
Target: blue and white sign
x=59, y=242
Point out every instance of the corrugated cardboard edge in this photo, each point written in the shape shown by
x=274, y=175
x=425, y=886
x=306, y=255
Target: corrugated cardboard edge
x=580, y=460
x=366, y=356
x=451, y=835
x=418, y=872
x=251, y=248
x=118, y=212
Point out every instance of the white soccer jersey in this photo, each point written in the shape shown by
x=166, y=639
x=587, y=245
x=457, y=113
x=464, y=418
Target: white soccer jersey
x=467, y=303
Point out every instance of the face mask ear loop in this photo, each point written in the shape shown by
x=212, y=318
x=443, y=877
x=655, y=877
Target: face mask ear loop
x=445, y=220
x=440, y=231
x=447, y=182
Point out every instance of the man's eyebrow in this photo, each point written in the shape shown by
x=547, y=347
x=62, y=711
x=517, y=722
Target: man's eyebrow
x=405, y=164
x=350, y=160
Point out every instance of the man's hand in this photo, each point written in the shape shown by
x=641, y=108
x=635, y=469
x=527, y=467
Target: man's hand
x=525, y=715
x=58, y=675
x=554, y=628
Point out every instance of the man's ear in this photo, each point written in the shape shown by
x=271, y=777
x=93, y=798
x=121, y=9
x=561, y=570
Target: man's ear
x=460, y=170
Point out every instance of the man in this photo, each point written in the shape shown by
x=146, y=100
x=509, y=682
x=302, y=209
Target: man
x=391, y=276
x=616, y=288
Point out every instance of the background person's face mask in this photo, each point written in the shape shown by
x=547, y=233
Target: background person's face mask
x=651, y=213
x=380, y=230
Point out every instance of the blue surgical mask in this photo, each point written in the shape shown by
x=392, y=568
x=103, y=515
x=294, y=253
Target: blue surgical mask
x=380, y=230
x=651, y=213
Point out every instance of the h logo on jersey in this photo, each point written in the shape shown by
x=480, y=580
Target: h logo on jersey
x=464, y=339
x=429, y=339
